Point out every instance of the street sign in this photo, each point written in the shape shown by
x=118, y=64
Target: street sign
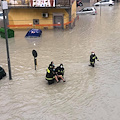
x=34, y=53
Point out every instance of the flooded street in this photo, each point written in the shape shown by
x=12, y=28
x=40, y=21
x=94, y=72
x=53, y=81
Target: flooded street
x=88, y=93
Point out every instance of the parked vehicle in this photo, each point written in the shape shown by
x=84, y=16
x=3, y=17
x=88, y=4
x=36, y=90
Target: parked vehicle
x=104, y=2
x=87, y=10
x=13, y=2
x=1, y=15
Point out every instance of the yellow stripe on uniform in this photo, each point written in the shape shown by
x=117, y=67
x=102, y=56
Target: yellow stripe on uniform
x=94, y=57
x=49, y=78
x=48, y=70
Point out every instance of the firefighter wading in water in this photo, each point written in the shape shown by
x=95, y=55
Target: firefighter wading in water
x=51, y=74
x=92, y=59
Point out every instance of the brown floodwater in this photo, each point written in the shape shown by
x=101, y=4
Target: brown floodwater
x=88, y=93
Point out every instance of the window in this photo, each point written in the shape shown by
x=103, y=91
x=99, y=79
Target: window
x=90, y=9
x=85, y=9
x=35, y=21
x=103, y=1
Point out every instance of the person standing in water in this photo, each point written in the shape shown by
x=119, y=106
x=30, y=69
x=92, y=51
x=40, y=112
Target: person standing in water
x=92, y=59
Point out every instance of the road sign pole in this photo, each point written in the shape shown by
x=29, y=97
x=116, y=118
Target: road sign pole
x=4, y=8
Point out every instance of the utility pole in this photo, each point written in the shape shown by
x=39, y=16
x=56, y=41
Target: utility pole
x=4, y=8
x=100, y=9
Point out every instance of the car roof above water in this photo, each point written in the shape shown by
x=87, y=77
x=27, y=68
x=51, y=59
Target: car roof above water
x=88, y=8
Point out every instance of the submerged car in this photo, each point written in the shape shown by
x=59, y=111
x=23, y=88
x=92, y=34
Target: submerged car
x=34, y=33
x=104, y=2
x=87, y=10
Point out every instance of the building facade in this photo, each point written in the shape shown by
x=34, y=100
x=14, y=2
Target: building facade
x=42, y=14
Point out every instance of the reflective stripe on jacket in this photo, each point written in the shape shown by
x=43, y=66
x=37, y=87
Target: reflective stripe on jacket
x=49, y=74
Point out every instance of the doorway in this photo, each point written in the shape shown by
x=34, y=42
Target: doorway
x=58, y=19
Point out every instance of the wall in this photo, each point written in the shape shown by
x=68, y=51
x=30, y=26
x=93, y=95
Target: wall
x=24, y=16
x=73, y=10
x=73, y=14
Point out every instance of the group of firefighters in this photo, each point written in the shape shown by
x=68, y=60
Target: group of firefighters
x=56, y=74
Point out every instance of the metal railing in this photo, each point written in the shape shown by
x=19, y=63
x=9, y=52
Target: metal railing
x=62, y=2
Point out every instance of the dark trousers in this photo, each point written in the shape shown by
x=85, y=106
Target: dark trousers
x=51, y=81
x=92, y=64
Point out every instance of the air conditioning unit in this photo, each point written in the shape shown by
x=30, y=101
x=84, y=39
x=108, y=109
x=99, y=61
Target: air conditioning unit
x=45, y=15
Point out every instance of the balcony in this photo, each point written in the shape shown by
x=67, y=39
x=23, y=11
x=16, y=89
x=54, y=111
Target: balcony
x=64, y=3
x=39, y=3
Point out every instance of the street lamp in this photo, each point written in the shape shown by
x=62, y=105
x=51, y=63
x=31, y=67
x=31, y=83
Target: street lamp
x=4, y=8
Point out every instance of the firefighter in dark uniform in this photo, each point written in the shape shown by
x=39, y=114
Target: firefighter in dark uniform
x=92, y=59
x=60, y=72
x=51, y=74
x=51, y=65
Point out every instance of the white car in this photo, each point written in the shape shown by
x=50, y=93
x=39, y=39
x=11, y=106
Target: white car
x=104, y=2
x=1, y=15
x=87, y=10
x=13, y=2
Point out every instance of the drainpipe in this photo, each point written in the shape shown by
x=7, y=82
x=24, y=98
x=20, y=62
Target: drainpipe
x=70, y=18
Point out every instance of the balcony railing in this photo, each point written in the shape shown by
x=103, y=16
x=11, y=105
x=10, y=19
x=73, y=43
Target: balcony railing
x=39, y=3
x=62, y=2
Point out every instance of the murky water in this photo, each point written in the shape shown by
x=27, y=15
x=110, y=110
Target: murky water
x=88, y=93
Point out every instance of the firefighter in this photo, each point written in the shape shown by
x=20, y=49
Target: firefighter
x=92, y=59
x=51, y=65
x=60, y=72
x=51, y=75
